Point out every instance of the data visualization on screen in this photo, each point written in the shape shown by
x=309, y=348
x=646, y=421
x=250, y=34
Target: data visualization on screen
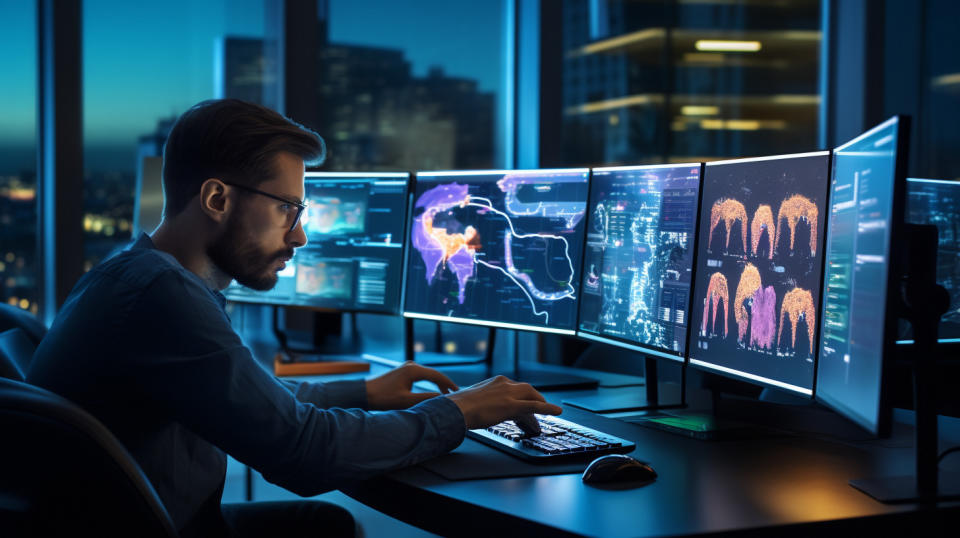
x=759, y=269
x=500, y=248
x=641, y=226
x=866, y=204
x=353, y=259
x=937, y=202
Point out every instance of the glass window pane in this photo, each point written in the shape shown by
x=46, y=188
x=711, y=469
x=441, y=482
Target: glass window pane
x=18, y=156
x=410, y=89
x=144, y=63
x=648, y=82
x=939, y=148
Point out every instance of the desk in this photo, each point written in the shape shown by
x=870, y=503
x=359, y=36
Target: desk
x=788, y=485
x=794, y=485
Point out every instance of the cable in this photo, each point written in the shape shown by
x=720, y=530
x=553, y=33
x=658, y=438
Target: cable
x=947, y=452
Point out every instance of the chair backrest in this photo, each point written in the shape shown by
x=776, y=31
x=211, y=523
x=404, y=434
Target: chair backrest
x=11, y=316
x=16, y=350
x=63, y=473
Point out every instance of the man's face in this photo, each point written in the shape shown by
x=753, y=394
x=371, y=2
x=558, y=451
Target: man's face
x=256, y=240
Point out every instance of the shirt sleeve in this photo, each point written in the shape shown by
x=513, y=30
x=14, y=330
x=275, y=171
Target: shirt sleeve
x=348, y=394
x=202, y=376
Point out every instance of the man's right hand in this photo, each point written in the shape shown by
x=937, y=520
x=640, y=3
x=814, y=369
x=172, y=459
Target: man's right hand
x=497, y=399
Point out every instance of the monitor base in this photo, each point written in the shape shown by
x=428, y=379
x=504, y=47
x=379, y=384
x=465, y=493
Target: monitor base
x=703, y=427
x=434, y=359
x=541, y=380
x=632, y=400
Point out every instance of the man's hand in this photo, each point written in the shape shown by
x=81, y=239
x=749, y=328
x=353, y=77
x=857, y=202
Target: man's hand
x=392, y=389
x=495, y=400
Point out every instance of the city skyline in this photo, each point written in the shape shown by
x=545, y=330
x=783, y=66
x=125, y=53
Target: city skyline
x=166, y=75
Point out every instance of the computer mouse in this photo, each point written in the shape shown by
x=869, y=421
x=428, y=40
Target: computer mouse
x=618, y=469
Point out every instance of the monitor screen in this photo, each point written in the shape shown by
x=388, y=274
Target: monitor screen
x=498, y=248
x=635, y=289
x=866, y=198
x=937, y=202
x=353, y=259
x=759, y=269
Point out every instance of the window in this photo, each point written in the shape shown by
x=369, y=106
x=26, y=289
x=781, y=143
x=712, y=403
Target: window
x=144, y=64
x=682, y=80
x=410, y=89
x=19, y=265
x=939, y=149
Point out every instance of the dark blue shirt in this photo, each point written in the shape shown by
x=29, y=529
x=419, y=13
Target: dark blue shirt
x=145, y=346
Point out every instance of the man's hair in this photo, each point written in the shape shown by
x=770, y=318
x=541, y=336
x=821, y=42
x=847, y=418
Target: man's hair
x=231, y=140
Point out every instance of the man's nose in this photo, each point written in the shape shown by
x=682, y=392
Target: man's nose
x=297, y=237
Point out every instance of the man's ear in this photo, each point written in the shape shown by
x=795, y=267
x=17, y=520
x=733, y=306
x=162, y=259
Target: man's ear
x=214, y=201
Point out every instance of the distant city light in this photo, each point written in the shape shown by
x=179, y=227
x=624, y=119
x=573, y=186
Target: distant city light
x=742, y=125
x=24, y=304
x=697, y=110
x=723, y=45
x=952, y=79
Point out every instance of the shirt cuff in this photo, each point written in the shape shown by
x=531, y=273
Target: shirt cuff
x=446, y=418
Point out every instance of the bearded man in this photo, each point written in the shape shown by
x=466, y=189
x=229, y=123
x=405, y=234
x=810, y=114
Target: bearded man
x=144, y=344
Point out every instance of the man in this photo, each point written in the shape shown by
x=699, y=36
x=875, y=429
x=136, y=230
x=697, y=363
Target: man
x=144, y=344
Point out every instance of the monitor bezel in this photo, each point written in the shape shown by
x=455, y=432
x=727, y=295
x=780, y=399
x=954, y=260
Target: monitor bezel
x=747, y=376
x=474, y=321
x=882, y=424
x=353, y=177
x=624, y=343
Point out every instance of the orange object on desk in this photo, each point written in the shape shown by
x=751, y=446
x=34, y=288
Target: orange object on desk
x=316, y=367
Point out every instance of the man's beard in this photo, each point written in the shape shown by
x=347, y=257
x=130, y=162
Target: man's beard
x=242, y=260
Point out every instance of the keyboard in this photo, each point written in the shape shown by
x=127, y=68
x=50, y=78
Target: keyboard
x=559, y=439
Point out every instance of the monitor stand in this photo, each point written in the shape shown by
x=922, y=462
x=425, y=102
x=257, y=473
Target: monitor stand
x=922, y=302
x=645, y=398
x=333, y=352
x=541, y=379
x=729, y=417
x=436, y=358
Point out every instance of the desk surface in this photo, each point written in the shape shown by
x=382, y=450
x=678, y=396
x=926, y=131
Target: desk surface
x=703, y=487
x=796, y=483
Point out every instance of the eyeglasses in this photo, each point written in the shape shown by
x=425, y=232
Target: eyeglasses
x=300, y=206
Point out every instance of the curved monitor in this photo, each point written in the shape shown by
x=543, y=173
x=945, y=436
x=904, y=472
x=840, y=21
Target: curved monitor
x=353, y=259
x=868, y=191
x=499, y=248
x=638, y=264
x=759, y=269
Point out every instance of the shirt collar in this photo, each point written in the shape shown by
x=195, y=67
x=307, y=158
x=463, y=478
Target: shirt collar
x=144, y=241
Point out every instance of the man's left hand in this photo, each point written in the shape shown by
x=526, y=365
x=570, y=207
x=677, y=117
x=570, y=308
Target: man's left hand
x=392, y=389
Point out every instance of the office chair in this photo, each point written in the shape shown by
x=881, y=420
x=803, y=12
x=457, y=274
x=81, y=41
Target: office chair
x=16, y=350
x=63, y=473
x=11, y=316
